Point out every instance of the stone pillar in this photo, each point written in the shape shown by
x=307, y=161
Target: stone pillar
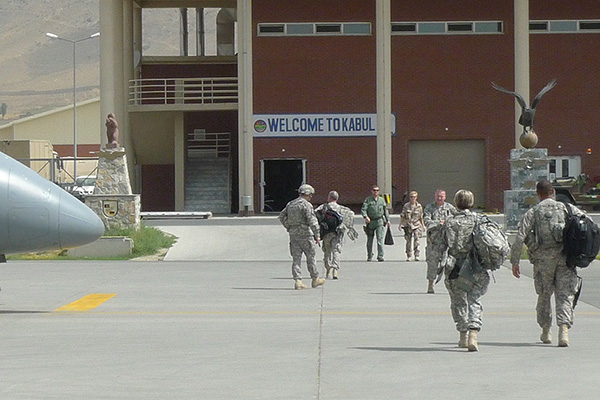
x=527, y=167
x=113, y=200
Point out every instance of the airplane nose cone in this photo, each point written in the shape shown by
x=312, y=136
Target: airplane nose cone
x=78, y=224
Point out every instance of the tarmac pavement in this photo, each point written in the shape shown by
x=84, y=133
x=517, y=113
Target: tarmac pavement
x=219, y=319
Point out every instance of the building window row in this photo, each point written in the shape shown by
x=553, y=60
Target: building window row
x=447, y=27
x=424, y=28
x=318, y=28
x=565, y=26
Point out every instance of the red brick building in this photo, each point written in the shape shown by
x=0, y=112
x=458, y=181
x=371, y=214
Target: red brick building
x=305, y=87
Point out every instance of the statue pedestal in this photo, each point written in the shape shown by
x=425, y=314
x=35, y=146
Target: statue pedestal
x=527, y=167
x=117, y=211
x=113, y=200
x=113, y=174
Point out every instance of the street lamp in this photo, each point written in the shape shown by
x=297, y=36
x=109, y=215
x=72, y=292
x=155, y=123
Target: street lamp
x=74, y=42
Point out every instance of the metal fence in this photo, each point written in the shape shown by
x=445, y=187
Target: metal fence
x=183, y=91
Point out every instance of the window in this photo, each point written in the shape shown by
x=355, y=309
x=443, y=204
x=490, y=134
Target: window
x=314, y=28
x=565, y=26
x=460, y=27
x=329, y=28
x=410, y=27
x=447, y=28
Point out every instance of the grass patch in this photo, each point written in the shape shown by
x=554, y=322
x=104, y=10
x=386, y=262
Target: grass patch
x=147, y=241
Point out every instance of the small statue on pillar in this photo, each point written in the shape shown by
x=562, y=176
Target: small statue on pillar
x=112, y=131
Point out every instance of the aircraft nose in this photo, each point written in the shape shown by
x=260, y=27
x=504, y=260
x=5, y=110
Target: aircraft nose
x=78, y=224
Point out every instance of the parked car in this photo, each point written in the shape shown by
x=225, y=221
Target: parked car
x=83, y=186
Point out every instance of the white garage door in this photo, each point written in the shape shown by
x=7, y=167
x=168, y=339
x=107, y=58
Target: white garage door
x=447, y=164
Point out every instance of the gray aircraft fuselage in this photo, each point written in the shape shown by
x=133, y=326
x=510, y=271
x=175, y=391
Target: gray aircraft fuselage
x=37, y=215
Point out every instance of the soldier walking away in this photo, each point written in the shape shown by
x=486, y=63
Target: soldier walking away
x=376, y=218
x=411, y=223
x=332, y=242
x=541, y=230
x=435, y=215
x=465, y=280
x=299, y=219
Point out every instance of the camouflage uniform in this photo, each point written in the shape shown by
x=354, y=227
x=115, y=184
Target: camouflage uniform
x=377, y=212
x=299, y=219
x=333, y=241
x=550, y=271
x=433, y=215
x=465, y=306
x=411, y=218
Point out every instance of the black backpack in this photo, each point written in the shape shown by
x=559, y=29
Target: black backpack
x=581, y=240
x=329, y=220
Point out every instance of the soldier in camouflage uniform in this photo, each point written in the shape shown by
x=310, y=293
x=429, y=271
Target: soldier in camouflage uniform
x=299, y=219
x=540, y=230
x=465, y=305
x=333, y=241
x=377, y=217
x=411, y=223
x=435, y=214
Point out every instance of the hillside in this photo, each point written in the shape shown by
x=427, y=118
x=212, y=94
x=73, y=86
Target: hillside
x=36, y=72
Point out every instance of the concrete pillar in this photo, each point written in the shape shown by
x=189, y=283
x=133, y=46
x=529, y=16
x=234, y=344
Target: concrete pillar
x=384, y=96
x=179, y=146
x=111, y=62
x=522, y=84
x=137, y=41
x=245, y=105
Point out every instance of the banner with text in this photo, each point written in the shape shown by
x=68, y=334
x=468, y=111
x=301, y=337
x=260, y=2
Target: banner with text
x=310, y=125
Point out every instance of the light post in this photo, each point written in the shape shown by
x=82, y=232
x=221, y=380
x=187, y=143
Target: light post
x=74, y=42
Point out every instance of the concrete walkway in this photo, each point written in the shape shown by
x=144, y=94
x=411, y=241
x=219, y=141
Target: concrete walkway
x=219, y=319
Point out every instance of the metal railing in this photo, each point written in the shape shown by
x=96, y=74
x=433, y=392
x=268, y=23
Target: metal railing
x=206, y=145
x=60, y=169
x=183, y=91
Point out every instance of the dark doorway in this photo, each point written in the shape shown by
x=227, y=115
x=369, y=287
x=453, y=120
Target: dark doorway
x=280, y=182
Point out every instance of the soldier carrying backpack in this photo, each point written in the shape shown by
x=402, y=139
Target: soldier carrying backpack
x=335, y=221
x=541, y=230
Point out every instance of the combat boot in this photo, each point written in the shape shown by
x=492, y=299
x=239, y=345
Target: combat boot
x=430, y=287
x=472, y=344
x=317, y=282
x=299, y=285
x=563, y=336
x=462, y=342
x=546, y=336
x=327, y=272
x=335, y=273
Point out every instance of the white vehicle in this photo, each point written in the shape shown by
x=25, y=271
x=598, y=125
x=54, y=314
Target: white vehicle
x=84, y=185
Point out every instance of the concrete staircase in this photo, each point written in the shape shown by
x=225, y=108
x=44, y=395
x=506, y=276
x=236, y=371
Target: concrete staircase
x=208, y=185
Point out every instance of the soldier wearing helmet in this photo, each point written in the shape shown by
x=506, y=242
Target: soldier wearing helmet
x=299, y=219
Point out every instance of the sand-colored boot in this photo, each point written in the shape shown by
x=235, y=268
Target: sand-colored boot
x=472, y=343
x=327, y=272
x=546, y=336
x=299, y=285
x=335, y=273
x=563, y=336
x=430, y=287
x=317, y=282
x=462, y=341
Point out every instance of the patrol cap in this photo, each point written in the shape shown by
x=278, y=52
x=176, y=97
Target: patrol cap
x=306, y=189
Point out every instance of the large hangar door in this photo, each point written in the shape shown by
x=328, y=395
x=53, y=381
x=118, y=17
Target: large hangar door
x=447, y=164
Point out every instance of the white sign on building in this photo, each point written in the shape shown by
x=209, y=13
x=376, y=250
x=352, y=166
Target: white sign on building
x=315, y=125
